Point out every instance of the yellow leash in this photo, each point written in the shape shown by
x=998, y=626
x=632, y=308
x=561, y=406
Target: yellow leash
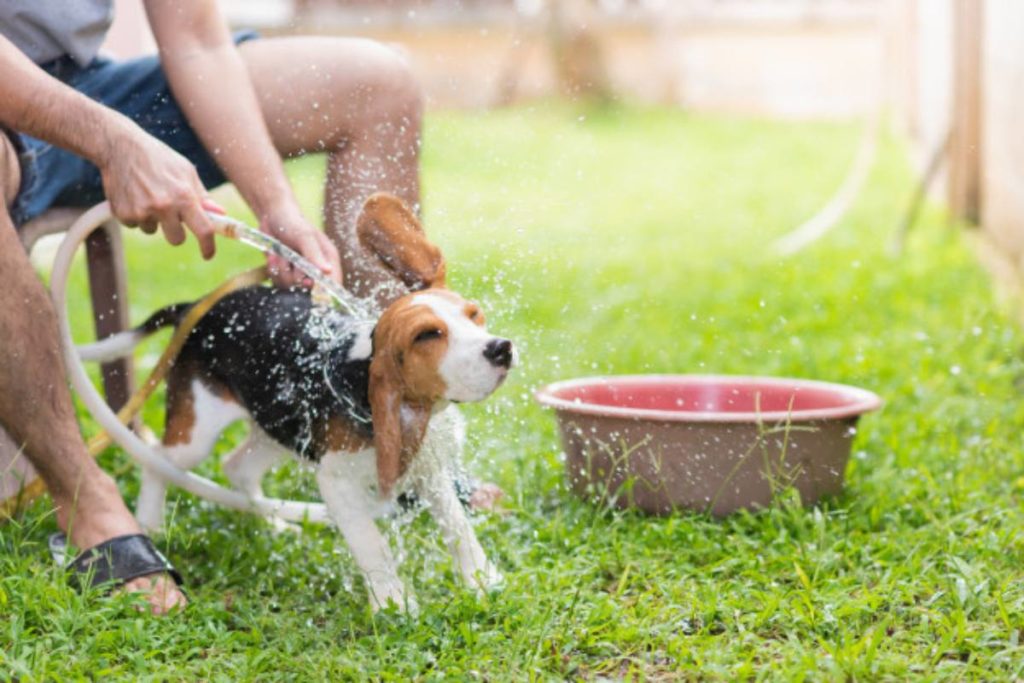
x=100, y=441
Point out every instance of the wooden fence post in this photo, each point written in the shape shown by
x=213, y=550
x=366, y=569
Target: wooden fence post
x=965, y=155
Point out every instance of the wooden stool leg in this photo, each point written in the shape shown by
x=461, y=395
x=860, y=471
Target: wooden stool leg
x=108, y=287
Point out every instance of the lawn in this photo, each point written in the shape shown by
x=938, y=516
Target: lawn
x=617, y=241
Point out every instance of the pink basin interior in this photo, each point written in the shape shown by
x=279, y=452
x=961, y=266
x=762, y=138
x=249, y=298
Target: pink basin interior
x=702, y=398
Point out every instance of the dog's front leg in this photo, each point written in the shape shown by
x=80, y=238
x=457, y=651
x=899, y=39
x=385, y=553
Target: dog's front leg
x=351, y=507
x=438, y=492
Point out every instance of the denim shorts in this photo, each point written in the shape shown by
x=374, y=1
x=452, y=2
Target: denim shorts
x=51, y=176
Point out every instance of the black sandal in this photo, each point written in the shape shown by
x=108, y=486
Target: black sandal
x=116, y=561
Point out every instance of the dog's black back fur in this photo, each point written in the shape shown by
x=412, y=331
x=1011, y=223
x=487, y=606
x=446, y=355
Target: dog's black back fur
x=262, y=344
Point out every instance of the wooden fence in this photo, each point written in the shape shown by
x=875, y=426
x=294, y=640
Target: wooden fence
x=959, y=83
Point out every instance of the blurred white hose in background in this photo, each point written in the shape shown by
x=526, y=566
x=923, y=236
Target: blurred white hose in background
x=829, y=215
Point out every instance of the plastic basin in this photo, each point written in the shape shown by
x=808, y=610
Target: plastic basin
x=702, y=442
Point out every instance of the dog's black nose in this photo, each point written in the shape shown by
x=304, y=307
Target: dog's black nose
x=499, y=352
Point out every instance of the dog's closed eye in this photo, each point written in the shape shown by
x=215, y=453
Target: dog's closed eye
x=427, y=335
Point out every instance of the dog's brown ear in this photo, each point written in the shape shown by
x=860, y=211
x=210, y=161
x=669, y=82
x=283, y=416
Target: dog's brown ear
x=396, y=443
x=389, y=229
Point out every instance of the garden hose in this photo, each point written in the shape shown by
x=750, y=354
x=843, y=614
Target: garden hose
x=829, y=215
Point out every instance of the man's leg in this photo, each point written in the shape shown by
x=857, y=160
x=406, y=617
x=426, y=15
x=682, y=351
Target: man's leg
x=358, y=101
x=35, y=403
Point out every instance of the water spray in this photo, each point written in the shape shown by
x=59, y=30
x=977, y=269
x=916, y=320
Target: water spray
x=239, y=231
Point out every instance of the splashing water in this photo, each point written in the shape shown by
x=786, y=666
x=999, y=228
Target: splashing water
x=237, y=230
x=327, y=325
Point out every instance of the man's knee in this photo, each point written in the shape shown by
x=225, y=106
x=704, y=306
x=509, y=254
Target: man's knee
x=395, y=91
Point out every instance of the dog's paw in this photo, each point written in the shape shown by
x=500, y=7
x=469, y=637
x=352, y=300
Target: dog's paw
x=408, y=607
x=393, y=599
x=488, y=579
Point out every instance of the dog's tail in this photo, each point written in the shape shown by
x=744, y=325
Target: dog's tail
x=121, y=344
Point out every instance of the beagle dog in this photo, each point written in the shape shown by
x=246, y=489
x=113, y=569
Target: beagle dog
x=368, y=403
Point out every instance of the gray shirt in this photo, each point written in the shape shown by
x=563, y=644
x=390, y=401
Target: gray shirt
x=47, y=29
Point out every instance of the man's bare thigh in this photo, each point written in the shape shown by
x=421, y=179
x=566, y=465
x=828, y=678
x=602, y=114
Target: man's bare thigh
x=10, y=171
x=314, y=89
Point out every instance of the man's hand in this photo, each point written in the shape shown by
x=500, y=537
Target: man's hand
x=212, y=85
x=288, y=225
x=148, y=184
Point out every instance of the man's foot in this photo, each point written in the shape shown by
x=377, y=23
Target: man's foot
x=162, y=594
x=102, y=515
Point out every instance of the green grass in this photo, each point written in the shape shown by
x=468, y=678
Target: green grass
x=614, y=241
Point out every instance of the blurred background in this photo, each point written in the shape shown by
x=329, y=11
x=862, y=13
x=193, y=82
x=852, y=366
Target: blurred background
x=946, y=75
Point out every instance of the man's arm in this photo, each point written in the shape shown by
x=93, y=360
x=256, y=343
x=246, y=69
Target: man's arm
x=211, y=84
x=145, y=181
